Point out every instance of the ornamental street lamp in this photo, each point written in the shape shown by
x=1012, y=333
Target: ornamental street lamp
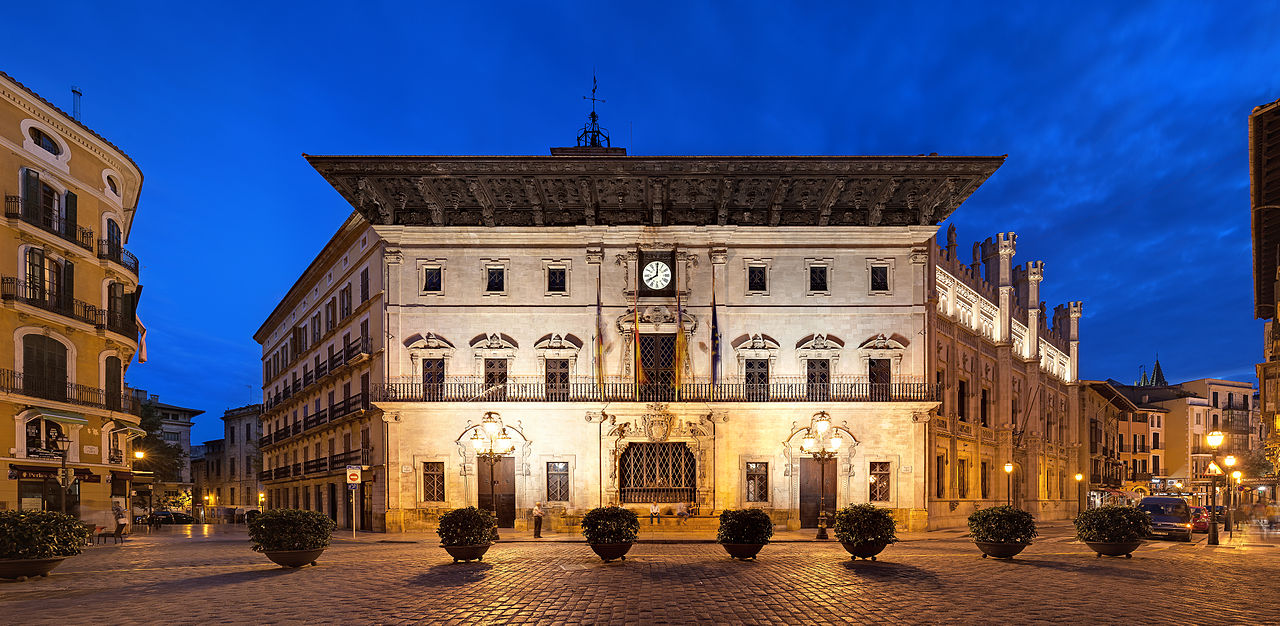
x=1008, y=471
x=1080, y=505
x=63, y=443
x=823, y=441
x=1234, y=494
x=491, y=443
x=1214, y=439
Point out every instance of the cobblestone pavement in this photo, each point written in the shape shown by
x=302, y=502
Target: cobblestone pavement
x=209, y=575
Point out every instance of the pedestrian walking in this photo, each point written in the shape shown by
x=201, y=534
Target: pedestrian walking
x=537, y=520
x=654, y=514
x=118, y=513
x=682, y=512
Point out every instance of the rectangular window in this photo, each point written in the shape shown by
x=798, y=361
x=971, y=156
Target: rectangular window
x=984, y=480
x=344, y=302
x=557, y=280
x=757, y=482
x=495, y=279
x=433, y=481
x=757, y=278
x=818, y=379
x=880, y=378
x=1215, y=399
x=962, y=400
x=940, y=475
x=757, y=379
x=315, y=328
x=557, y=481
x=495, y=378
x=433, y=379
x=231, y=468
x=984, y=416
x=879, y=278
x=330, y=314
x=818, y=278
x=432, y=279
x=881, y=487
x=557, y=379
x=962, y=476
x=364, y=285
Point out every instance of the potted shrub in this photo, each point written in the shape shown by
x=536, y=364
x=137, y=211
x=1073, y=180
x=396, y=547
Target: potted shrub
x=864, y=530
x=466, y=534
x=1002, y=531
x=1113, y=530
x=291, y=537
x=743, y=532
x=32, y=543
x=610, y=531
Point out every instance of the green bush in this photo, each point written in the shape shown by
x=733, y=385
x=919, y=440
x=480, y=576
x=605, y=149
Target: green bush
x=277, y=530
x=467, y=527
x=1113, y=524
x=859, y=524
x=744, y=526
x=610, y=524
x=1002, y=524
x=41, y=535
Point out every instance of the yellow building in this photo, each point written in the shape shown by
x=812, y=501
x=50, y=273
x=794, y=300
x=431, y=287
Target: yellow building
x=68, y=298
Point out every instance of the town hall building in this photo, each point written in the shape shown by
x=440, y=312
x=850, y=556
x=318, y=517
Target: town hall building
x=630, y=330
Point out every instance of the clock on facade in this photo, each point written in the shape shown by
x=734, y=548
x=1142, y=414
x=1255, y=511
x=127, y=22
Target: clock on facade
x=656, y=275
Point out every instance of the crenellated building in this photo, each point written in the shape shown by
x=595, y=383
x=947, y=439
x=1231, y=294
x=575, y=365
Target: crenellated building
x=662, y=329
x=68, y=299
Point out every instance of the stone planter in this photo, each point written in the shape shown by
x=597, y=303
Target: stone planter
x=742, y=551
x=1000, y=550
x=1114, y=548
x=611, y=551
x=864, y=550
x=293, y=558
x=22, y=569
x=467, y=553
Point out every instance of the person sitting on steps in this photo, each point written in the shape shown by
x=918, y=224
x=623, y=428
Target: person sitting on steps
x=654, y=514
x=682, y=513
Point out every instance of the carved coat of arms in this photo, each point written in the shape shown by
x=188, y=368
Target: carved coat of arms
x=658, y=422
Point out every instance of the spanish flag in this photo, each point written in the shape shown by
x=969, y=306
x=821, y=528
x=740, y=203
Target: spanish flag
x=682, y=348
x=599, y=340
x=641, y=379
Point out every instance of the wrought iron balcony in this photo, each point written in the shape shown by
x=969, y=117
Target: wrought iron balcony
x=315, y=466
x=59, y=390
x=280, y=472
x=113, y=251
x=42, y=297
x=353, y=457
x=315, y=419
x=265, y=475
x=115, y=456
x=264, y=441
x=586, y=389
x=1139, y=476
x=50, y=223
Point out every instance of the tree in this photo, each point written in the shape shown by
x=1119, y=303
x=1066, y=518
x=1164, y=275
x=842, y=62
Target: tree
x=162, y=458
x=1257, y=463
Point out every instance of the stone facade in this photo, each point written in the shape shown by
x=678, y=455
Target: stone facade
x=517, y=286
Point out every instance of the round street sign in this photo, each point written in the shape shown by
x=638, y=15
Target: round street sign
x=353, y=474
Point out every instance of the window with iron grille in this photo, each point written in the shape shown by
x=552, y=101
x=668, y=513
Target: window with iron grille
x=495, y=279
x=432, y=279
x=757, y=379
x=879, y=278
x=433, y=481
x=432, y=379
x=757, y=482
x=757, y=278
x=880, y=486
x=818, y=278
x=657, y=472
x=557, y=379
x=495, y=378
x=557, y=481
x=557, y=280
x=818, y=379
x=657, y=357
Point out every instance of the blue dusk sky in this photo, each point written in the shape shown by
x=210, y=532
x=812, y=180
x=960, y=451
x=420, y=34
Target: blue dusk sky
x=1125, y=126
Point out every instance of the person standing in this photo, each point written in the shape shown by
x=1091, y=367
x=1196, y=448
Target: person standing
x=117, y=511
x=537, y=520
x=654, y=514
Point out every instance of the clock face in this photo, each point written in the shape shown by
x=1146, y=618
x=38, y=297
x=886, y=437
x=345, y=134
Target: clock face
x=656, y=275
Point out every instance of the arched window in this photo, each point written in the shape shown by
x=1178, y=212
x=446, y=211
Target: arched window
x=46, y=142
x=657, y=472
x=44, y=367
x=113, y=234
x=41, y=435
x=115, y=187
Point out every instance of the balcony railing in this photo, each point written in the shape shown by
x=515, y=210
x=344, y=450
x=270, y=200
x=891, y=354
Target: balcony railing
x=315, y=419
x=353, y=457
x=280, y=472
x=315, y=465
x=122, y=323
x=537, y=389
x=338, y=411
x=265, y=440
x=54, y=224
x=1142, y=447
x=62, y=391
x=265, y=475
x=113, y=251
x=1139, y=475
x=115, y=457
x=357, y=347
x=40, y=296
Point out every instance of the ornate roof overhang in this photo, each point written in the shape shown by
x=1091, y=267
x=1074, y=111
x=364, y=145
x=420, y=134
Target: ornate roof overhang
x=655, y=190
x=1264, y=193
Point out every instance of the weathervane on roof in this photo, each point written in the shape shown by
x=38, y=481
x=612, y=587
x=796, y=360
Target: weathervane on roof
x=592, y=134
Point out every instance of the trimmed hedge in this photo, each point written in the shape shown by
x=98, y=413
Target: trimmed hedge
x=278, y=530
x=41, y=535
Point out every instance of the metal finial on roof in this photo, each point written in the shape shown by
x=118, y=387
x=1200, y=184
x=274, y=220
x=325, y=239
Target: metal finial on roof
x=592, y=135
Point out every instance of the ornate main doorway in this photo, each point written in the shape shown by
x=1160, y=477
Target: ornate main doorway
x=657, y=472
x=503, y=481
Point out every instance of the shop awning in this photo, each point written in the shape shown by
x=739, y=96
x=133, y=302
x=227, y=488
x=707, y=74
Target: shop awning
x=63, y=417
x=131, y=431
x=119, y=475
x=41, y=472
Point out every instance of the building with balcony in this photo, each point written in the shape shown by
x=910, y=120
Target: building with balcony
x=68, y=298
x=1103, y=408
x=175, y=429
x=1264, y=211
x=662, y=329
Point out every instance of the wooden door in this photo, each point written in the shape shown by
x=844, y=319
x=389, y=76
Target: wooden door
x=366, y=506
x=811, y=487
x=500, y=487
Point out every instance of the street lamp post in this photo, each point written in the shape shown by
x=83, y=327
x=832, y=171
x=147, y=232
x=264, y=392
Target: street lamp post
x=63, y=444
x=1231, y=497
x=823, y=441
x=491, y=443
x=1008, y=492
x=1080, y=504
x=1214, y=439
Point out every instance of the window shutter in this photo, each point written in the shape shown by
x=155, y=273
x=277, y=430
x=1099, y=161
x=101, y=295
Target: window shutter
x=69, y=217
x=31, y=194
x=35, y=272
x=68, y=285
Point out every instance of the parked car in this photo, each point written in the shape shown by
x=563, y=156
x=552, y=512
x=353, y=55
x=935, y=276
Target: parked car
x=1170, y=517
x=1199, y=519
x=170, y=517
